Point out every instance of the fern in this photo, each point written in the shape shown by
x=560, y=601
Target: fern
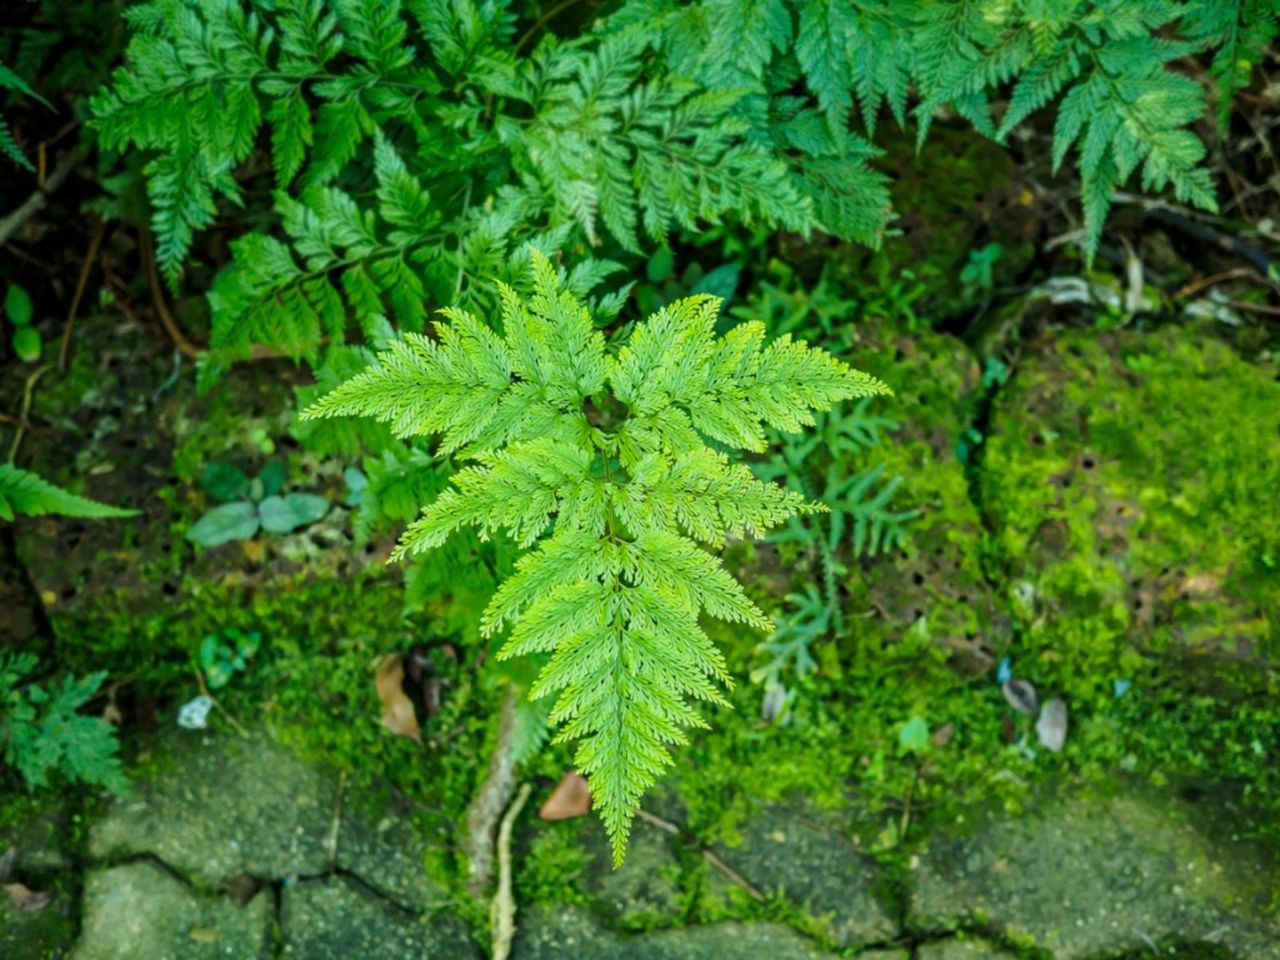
x=42, y=731
x=1106, y=63
x=600, y=462
x=413, y=153
x=24, y=492
x=1240, y=32
x=8, y=146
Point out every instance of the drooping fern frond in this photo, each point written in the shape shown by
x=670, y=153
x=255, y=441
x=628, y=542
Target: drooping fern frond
x=601, y=463
x=24, y=492
x=1240, y=32
x=8, y=146
x=1108, y=65
x=414, y=154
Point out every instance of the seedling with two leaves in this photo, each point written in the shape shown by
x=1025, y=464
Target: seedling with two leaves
x=249, y=505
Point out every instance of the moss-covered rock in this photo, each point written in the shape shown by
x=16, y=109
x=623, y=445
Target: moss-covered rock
x=936, y=585
x=336, y=918
x=1086, y=875
x=543, y=934
x=814, y=864
x=961, y=950
x=220, y=807
x=1131, y=480
x=140, y=910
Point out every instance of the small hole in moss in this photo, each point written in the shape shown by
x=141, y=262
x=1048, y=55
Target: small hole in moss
x=1192, y=793
x=917, y=578
x=67, y=592
x=917, y=613
x=169, y=589
x=1037, y=440
x=1088, y=463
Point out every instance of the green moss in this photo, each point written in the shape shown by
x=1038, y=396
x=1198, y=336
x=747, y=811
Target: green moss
x=960, y=194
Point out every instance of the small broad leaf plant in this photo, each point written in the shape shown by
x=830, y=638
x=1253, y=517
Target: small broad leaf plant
x=603, y=464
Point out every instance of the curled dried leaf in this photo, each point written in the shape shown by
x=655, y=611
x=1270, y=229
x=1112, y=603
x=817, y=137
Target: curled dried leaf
x=398, y=714
x=570, y=798
x=1021, y=695
x=942, y=736
x=25, y=900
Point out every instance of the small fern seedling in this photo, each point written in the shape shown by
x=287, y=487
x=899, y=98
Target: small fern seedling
x=601, y=463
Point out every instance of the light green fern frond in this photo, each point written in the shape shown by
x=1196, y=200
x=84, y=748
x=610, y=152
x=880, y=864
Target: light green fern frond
x=24, y=492
x=603, y=457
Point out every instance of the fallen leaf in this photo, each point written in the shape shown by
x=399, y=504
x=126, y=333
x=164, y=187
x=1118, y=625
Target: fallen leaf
x=241, y=889
x=942, y=736
x=422, y=671
x=111, y=712
x=1051, y=728
x=203, y=935
x=1021, y=695
x=25, y=900
x=570, y=798
x=774, y=703
x=398, y=714
x=1200, y=585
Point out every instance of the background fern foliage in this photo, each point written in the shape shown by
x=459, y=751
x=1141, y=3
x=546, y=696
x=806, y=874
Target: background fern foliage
x=602, y=463
x=418, y=146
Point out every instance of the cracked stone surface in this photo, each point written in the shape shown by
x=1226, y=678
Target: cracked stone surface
x=338, y=919
x=645, y=890
x=962, y=950
x=225, y=806
x=1089, y=875
x=140, y=910
x=378, y=844
x=547, y=934
x=816, y=866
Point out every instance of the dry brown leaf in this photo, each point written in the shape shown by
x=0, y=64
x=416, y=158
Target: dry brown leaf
x=241, y=889
x=398, y=714
x=111, y=712
x=570, y=798
x=942, y=736
x=25, y=900
x=1200, y=585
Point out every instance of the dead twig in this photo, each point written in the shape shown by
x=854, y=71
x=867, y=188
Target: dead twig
x=1204, y=283
x=28, y=389
x=707, y=854
x=39, y=198
x=491, y=799
x=92, y=255
x=1254, y=308
x=502, y=912
x=226, y=714
x=147, y=247
x=25, y=425
x=337, y=822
